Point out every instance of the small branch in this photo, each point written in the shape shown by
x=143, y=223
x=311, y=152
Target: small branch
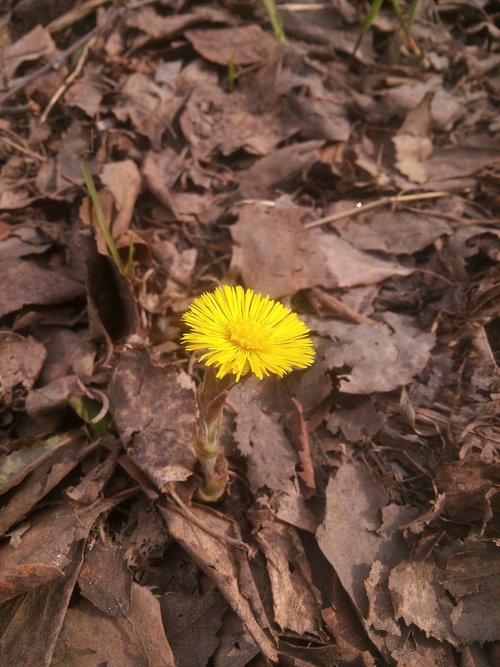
x=184, y=510
x=57, y=61
x=361, y=208
x=68, y=81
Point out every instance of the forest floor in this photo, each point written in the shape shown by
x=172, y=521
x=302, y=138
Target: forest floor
x=361, y=187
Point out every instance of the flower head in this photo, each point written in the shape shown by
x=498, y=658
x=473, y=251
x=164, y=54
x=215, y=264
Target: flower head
x=243, y=331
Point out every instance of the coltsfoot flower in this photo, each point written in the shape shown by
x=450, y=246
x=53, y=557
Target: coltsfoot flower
x=243, y=331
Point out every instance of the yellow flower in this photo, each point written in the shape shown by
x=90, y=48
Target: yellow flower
x=244, y=331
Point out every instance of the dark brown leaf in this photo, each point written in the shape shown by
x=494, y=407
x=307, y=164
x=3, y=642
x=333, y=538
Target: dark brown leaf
x=89, y=637
x=239, y=45
x=105, y=580
x=25, y=283
x=154, y=410
x=191, y=625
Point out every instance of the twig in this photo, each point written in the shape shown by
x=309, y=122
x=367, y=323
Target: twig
x=57, y=61
x=361, y=208
x=68, y=81
x=183, y=509
x=74, y=15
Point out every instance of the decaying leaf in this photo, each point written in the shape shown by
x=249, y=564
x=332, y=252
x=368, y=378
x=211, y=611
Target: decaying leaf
x=139, y=638
x=45, y=548
x=419, y=598
x=379, y=357
x=267, y=263
x=191, y=625
x=154, y=411
x=224, y=566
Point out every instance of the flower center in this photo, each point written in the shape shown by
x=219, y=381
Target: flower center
x=247, y=335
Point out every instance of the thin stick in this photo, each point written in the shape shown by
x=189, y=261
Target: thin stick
x=186, y=512
x=356, y=210
x=57, y=61
x=74, y=15
x=68, y=81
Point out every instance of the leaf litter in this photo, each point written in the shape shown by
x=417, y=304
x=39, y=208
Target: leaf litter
x=361, y=525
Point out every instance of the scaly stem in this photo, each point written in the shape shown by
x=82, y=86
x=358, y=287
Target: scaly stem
x=212, y=394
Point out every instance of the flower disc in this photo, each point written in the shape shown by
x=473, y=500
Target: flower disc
x=244, y=332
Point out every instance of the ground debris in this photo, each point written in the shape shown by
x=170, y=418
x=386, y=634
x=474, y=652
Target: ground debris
x=355, y=177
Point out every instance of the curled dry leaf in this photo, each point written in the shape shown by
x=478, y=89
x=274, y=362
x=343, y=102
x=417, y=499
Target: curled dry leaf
x=124, y=181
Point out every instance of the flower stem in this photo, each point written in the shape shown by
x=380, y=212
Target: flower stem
x=212, y=394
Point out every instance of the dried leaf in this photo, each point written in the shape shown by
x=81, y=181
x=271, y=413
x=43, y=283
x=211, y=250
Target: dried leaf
x=21, y=360
x=89, y=637
x=219, y=562
x=276, y=255
x=348, y=536
x=33, y=45
x=30, y=637
x=124, y=181
x=106, y=581
x=64, y=455
x=419, y=598
x=239, y=45
x=154, y=411
x=45, y=548
x=25, y=283
x=473, y=578
x=191, y=624
x=380, y=357
x=295, y=598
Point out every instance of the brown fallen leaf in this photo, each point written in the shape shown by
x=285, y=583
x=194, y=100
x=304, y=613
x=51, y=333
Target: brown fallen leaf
x=227, y=569
x=87, y=92
x=261, y=179
x=271, y=471
x=473, y=578
x=89, y=637
x=398, y=232
x=25, y=283
x=192, y=624
x=30, y=635
x=276, y=255
x=154, y=411
x=296, y=601
x=413, y=143
x=239, y=45
x=465, y=485
x=236, y=647
x=45, y=549
x=217, y=121
x=349, y=536
x=34, y=45
x=26, y=456
x=157, y=26
x=381, y=357
x=106, y=581
x=62, y=457
x=150, y=107
x=419, y=598
x=21, y=360
x=124, y=181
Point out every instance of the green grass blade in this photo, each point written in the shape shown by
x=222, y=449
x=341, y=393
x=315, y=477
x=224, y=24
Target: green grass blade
x=372, y=15
x=101, y=221
x=275, y=19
